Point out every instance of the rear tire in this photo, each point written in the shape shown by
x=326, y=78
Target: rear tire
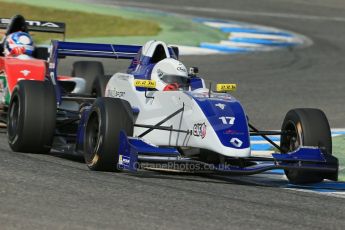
x=88, y=70
x=32, y=117
x=107, y=117
x=311, y=128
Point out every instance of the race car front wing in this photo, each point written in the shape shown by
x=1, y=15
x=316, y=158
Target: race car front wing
x=134, y=152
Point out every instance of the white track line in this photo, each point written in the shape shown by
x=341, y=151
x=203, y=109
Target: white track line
x=332, y=194
x=219, y=25
x=192, y=50
x=241, y=44
x=262, y=36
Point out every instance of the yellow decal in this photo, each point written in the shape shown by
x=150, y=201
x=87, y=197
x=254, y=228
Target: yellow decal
x=226, y=87
x=145, y=83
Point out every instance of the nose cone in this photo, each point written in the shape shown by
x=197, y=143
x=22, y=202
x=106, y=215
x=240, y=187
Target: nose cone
x=228, y=120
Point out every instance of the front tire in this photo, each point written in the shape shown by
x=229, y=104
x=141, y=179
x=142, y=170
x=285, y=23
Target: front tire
x=107, y=117
x=32, y=117
x=305, y=127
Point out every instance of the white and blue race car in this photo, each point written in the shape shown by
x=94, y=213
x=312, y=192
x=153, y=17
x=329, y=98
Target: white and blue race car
x=160, y=115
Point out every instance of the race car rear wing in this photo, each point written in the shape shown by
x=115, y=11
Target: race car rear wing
x=95, y=50
x=100, y=50
x=38, y=26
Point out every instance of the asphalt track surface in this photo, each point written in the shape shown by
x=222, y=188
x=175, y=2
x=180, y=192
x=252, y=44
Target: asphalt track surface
x=59, y=192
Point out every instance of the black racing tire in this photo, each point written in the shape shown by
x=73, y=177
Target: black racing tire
x=99, y=85
x=107, y=117
x=32, y=117
x=88, y=70
x=308, y=127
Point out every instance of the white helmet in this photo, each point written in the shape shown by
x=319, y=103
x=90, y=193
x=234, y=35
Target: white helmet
x=170, y=74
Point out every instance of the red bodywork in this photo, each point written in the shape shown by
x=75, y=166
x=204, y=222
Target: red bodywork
x=17, y=69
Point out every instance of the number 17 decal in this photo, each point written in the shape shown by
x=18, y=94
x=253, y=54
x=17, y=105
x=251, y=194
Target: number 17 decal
x=228, y=120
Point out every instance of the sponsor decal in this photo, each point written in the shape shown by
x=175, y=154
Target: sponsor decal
x=227, y=120
x=120, y=160
x=44, y=24
x=124, y=160
x=181, y=68
x=229, y=131
x=145, y=83
x=199, y=130
x=33, y=23
x=220, y=105
x=226, y=87
x=236, y=142
x=5, y=21
x=25, y=72
x=115, y=93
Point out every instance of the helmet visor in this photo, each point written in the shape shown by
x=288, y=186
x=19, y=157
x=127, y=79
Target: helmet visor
x=182, y=81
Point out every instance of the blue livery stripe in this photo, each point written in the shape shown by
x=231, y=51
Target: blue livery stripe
x=259, y=138
x=276, y=38
x=261, y=147
x=329, y=186
x=277, y=171
x=263, y=42
x=224, y=48
x=232, y=108
x=338, y=132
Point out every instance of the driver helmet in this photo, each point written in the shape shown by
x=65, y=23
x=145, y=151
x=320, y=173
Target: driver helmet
x=18, y=43
x=170, y=75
